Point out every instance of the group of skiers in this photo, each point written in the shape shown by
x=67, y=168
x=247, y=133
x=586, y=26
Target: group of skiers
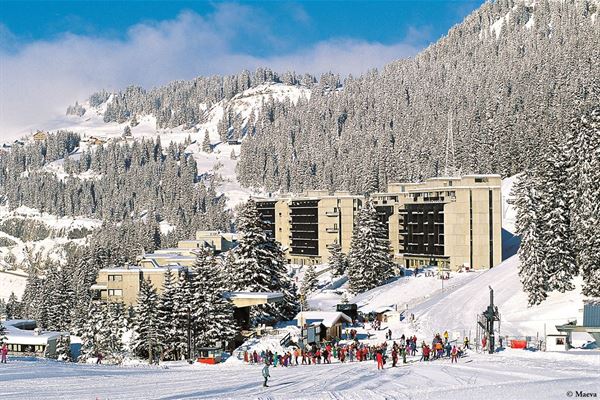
x=440, y=347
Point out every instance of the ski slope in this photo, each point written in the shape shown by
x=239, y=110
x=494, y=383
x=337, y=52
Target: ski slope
x=508, y=375
x=456, y=310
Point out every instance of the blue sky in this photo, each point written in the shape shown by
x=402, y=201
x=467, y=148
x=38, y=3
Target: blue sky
x=296, y=24
x=55, y=52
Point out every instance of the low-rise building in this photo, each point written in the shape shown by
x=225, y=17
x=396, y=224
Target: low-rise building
x=323, y=325
x=219, y=242
x=40, y=136
x=23, y=337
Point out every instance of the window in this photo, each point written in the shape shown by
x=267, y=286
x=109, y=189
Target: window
x=560, y=341
x=115, y=278
x=480, y=180
x=115, y=292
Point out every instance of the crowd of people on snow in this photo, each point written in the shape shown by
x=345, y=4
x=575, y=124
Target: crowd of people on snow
x=355, y=351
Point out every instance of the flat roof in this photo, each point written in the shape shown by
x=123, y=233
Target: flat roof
x=15, y=335
x=253, y=295
x=140, y=269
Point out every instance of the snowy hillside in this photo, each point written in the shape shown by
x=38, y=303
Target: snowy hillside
x=245, y=105
x=456, y=310
x=26, y=232
x=12, y=282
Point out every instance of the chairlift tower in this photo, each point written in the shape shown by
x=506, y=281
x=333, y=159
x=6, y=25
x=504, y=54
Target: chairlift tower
x=487, y=319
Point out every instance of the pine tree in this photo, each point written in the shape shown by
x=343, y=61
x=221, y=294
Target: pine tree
x=146, y=342
x=344, y=299
x=206, y=146
x=337, y=260
x=13, y=307
x=114, y=327
x=370, y=261
x=219, y=324
x=532, y=271
x=309, y=282
x=259, y=267
x=3, y=333
x=585, y=147
x=167, y=318
x=183, y=313
x=557, y=237
x=91, y=336
x=127, y=131
x=63, y=349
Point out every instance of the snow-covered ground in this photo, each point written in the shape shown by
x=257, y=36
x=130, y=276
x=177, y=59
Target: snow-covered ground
x=513, y=374
x=12, y=282
x=456, y=310
x=50, y=246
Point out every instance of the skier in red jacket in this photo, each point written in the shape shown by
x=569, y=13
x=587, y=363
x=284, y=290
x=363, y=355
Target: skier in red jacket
x=379, y=360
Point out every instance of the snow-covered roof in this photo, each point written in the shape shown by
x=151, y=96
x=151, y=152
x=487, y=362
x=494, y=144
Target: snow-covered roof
x=254, y=295
x=172, y=267
x=16, y=335
x=384, y=309
x=327, y=318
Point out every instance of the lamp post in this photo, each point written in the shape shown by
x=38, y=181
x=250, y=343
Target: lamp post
x=189, y=335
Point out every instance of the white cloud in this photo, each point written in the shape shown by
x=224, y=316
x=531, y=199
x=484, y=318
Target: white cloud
x=39, y=79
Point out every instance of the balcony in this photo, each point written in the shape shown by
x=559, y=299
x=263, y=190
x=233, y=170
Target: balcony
x=331, y=230
x=332, y=213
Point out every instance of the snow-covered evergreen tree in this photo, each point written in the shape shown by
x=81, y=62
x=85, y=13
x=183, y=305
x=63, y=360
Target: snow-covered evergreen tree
x=168, y=319
x=585, y=157
x=206, y=146
x=557, y=238
x=218, y=325
x=92, y=333
x=145, y=324
x=183, y=312
x=337, y=260
x=369, y=262
x=532, y=269
x=63, y=348
x=309, y=283
x=13, y=307
x=259, y=267
x=3, y=332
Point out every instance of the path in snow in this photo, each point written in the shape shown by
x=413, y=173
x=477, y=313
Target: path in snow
x=516, y=374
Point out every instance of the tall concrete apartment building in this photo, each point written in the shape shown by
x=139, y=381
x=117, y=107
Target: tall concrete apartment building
x=450, y=222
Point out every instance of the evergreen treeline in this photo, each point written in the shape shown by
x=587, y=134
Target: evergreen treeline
x=184, y=102
x=130, y=187
x=508, y=95
x=113, y=182
x=558, y=214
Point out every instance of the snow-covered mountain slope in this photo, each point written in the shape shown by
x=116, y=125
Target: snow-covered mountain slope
x=26, y=232
x=12, y=282
x=456, y=310
x=244, y=105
